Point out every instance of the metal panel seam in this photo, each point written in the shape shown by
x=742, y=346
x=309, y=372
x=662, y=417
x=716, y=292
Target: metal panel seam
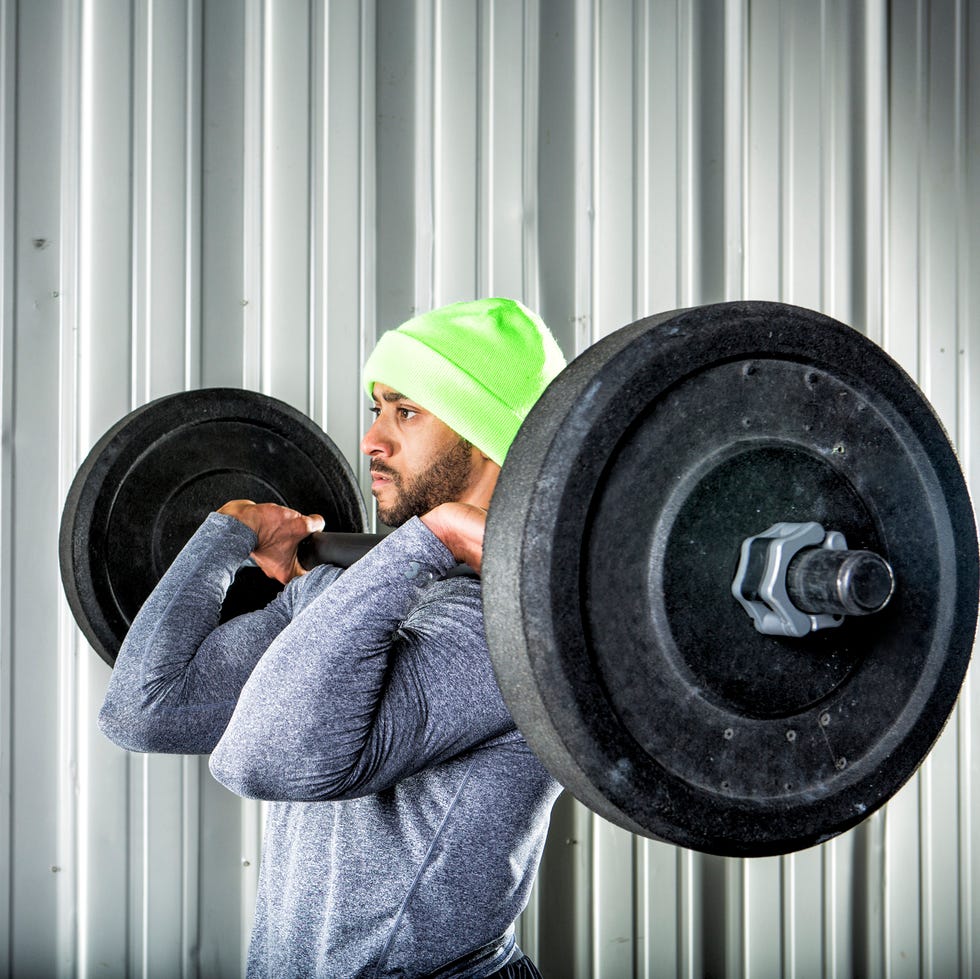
x=875, y=189
x=367, y=210
x=194, y=153
x=586, y=152
x=8, y=61
x=735, y=138
x=483, y=252
x=964, y=716
x=529, y=183
x=318, y=149
x=71, y=904
x=254, y=374
x=427, y=177
x=194, y=98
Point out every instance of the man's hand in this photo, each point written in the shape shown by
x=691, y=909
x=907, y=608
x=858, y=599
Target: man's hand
x=460, y=526
x=279, y=531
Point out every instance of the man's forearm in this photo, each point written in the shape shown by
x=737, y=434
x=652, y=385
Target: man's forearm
x=176, y=679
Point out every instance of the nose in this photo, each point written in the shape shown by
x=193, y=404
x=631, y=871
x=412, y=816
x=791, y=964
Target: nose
x=376, y=441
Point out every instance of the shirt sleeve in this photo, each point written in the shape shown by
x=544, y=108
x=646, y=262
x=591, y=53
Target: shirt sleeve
x=178, y=674
x=382, y=675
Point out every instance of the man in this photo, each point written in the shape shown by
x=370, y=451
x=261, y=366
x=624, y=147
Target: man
x=408, y=814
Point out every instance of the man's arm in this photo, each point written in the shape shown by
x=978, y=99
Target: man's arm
x=380, y=677
x=178, y=674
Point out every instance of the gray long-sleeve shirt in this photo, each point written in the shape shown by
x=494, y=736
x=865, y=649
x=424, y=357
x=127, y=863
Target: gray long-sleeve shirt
x=408, y=813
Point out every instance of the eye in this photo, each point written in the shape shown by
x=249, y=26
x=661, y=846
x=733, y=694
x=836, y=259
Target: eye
x=375, y=410
x=407, y=413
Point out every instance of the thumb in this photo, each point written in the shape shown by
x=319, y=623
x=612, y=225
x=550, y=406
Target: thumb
x=315, y=523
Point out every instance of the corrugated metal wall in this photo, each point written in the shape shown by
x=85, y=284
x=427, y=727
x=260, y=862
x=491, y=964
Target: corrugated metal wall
x=215, y=192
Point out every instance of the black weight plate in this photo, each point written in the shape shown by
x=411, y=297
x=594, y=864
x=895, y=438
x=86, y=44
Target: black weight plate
x=154, y=476
x=611, y=546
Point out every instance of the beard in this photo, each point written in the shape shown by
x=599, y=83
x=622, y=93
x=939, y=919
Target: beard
x=445, y=480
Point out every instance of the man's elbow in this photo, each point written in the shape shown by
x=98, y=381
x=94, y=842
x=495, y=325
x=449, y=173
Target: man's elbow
x=150, y=730
x=249, y=776
x=253, y=775
x=127, y=728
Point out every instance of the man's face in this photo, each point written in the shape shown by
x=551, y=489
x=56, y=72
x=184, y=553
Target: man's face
x=417, y=462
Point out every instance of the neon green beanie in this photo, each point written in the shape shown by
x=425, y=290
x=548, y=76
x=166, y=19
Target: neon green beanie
x=477, y=366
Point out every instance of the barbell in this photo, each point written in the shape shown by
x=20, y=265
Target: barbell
x=730, y=574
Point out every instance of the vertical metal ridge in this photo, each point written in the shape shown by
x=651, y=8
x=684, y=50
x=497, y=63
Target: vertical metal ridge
x=920, y=333
x=660, y=937
x=190, y=936
x=585, y=150
x=530, y=210
x=663, y=175
x=193, y=109
x=254, y=374
x=483, y=274
x=286, y=215
x=583, y=823
x=734, y=911
x=690, y=901
x=162, y=222
x=789, y=887
x=192, y=332
x=786, y=183
x=921, y=202
x=367, y=209
x=314, y=183
x=764, y=924
x=460, y=104
x=967, y=152
x=875, y=187
x=505, y=256
x=690, y=892
x=8, y=81
x=162, y=146
x=873, y=873
x=639, y=79
x=831, y=900
x=319, y=173
x=139, y=849
x=901, y=918
x=809, y=947
x=959, y=197
x=104, y=325
x=426, y=159
x=72, y=903
x=687, y=286
x=641, y=157
x=903, y=205
x=251, y=830
x=614, y=854
x=141, y=215
x=130, y=130
x=828, y=284
x=735, y=139
x=938, y=39
x=614, y=177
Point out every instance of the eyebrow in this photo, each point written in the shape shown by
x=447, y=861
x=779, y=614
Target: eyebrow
x=391, y=396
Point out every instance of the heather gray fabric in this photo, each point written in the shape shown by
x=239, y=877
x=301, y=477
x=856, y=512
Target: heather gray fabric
x=408, y=815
